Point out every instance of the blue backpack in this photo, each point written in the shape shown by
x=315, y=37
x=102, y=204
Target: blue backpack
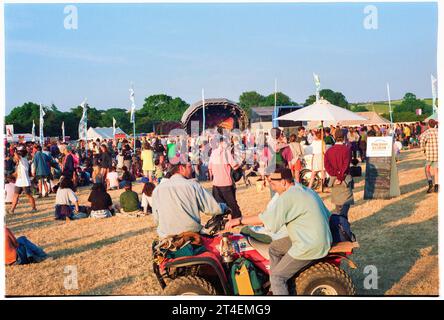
x=340, y=229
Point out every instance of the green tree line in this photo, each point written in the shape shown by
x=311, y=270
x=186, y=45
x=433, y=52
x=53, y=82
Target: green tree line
x=161, y=108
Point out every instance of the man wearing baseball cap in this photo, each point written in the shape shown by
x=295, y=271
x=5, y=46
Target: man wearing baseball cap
x=179, y=200
x=306, y=219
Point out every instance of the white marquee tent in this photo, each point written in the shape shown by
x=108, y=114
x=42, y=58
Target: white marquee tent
x=102, y=133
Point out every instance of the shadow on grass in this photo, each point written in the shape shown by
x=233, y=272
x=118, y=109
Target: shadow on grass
x=98, y=244
x=33, y=225
x=108, y=288
x=393, y=250
x=411, y=164
x=47, y=245
x=23, y=219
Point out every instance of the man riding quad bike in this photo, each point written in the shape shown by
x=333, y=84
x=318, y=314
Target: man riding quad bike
x=304, y=262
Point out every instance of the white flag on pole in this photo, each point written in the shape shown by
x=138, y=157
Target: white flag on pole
x=317, y=81
x=133, y=105
x=41, y=124
x=434, y=91
x=33, y=130
x=83, y=121
x=114, y=128
x=63, y=131
x=390, y=103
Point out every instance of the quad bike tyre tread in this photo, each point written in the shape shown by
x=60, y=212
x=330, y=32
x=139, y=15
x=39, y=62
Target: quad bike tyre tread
x=190, y=284
x=324, y=273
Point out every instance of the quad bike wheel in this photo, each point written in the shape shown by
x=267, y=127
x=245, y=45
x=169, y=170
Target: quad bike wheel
x=305, y=176
x=324, y=279
x=189, y=286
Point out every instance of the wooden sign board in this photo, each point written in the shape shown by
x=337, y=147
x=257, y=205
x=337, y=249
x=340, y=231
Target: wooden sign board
x=381, y=173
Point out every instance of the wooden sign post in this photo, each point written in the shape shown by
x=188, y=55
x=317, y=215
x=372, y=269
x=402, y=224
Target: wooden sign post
x=381, y=173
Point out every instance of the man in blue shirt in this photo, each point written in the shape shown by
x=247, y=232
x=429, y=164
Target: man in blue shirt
x=41, y=163
x=306, y=219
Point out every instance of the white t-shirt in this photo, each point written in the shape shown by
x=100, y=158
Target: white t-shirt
x=317, y=146
x=23, y=174
x=112, y=177
x=9, y=191
x=65, y=197
x=146, y=201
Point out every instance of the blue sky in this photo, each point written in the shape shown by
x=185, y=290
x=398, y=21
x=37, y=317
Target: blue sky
x=178, y=49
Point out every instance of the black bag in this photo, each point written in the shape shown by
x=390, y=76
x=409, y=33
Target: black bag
x=340, y=229
x=237, y=174
x=356, y=171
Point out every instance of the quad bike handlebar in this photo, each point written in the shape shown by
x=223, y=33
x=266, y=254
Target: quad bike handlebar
x=217, y=223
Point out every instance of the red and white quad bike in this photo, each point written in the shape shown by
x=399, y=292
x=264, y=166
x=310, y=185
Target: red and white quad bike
x=209, y=273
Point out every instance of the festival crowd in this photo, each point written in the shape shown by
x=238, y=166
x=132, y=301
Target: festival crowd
x=171, y=167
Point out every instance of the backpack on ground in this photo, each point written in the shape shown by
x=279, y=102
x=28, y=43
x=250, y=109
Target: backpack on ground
x=245, y=278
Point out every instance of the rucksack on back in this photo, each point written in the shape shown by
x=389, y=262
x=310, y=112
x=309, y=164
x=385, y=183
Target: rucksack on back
x=245, y=278
x=340, y=229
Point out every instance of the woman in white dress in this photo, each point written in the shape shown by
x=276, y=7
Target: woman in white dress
x=316, y=163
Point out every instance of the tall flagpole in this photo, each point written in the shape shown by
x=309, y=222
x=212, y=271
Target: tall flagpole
x=275, y=123
x=133, y=113
x=41, y=124
x=390, y=105
x=203, y=111
x=434, y=83
x=63, y=131
x=85, y=125
x=318, y=85
x=33, y=130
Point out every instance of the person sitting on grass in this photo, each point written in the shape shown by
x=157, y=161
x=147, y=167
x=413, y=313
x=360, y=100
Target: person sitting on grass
x=129, y=200
x=112, y=179
x=21, y=250
x=101, y=203
x=147, y=192
x=126, y=177
x=67, y=203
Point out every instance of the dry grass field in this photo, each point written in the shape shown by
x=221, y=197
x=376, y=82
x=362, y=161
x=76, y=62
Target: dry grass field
x=113, y=256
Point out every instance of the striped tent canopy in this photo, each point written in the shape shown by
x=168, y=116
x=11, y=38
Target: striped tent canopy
x=372, y=119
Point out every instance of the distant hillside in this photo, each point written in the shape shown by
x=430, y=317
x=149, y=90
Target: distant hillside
x=381, y=107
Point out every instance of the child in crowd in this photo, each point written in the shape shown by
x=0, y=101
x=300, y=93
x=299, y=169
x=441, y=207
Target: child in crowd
x=397, y=147
x=355, y=170
x=112, y=179
x=96, y=175
x=159, y=170
x=126, y=176
x=9, y=189
x=147, y=192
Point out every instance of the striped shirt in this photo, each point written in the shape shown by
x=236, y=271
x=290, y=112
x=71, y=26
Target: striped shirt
x=429, y=144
